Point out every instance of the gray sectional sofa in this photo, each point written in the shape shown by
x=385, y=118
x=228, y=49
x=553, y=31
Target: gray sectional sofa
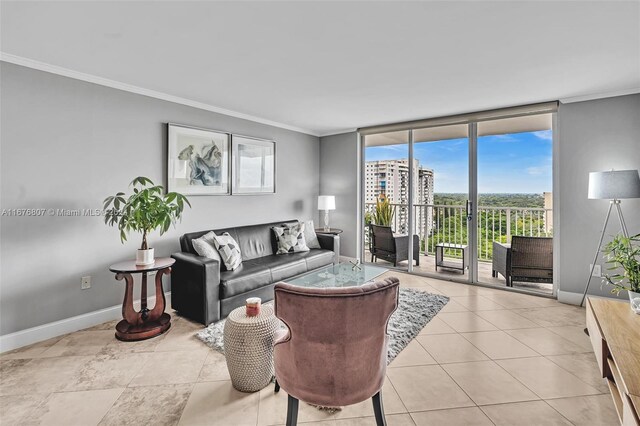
x=203, y=290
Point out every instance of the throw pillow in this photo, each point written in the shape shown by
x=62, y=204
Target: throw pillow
x=229, y=251
x=205, y=246
x=290, y=239
x=310, y=235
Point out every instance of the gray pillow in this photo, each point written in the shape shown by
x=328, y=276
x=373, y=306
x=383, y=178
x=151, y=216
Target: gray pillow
x=205, y=246
x=290, y=239
x=310, y=235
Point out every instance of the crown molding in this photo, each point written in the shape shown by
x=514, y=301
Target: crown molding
x=89, y=78
x=337, y=132
x=594, y=96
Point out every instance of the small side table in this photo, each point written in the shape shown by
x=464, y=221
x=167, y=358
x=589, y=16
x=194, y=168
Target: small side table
x=146, y=323
x=462, y=266
x=331, y=231
x=248, y=348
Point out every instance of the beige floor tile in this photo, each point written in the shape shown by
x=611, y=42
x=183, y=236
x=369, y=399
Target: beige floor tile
x=546, y=342
x=109, y=325
x=464, y=322
x=499, y=345
x=392, y=420
x=545, y=378
x=506, y=320
x=31, y=351
x=486, y=383
x=584, y=367
x=218, y=403
x=272, y=409
x=412, y=354
x=574, y=334
x=477, y=303
x=171, y=367
x=107, y=371
x=453, y=306
x=39, y=376
x=436, y=326
x=82, y=408
x=153, y=405
x=554, y=316
x=14, y=408
x=447, y=348
x=214, y=368
x=534, y=413
x=453, y=289
x=596, y=410
x=427, y=387
x=80, y=343
x=118, y=346
x=514, y=300
x=471, y=416
x=390, y=400
x=182, y=337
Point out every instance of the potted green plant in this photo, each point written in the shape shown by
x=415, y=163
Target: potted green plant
x=384, y=212
x=144, y=211
x=623, y=254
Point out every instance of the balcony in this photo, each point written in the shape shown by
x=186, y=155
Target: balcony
x=436, y=224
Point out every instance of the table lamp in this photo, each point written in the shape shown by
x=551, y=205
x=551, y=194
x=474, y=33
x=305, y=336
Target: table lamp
x=614, y=186
x=326, y=203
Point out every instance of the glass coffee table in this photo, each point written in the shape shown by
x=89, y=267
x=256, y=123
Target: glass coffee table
x=341, y=275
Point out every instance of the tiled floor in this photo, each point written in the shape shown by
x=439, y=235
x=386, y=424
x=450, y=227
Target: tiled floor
x=489, y=357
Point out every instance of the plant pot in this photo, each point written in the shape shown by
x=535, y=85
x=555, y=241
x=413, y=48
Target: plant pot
x=145, y=257
x=634, y=301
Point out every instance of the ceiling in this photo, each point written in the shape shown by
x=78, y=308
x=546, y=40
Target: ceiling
x=330, y=67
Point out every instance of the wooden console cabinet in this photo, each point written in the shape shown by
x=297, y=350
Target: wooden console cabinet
x=615, y=335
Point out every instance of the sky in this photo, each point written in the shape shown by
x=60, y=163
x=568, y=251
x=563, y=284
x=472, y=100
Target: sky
x=511, y=163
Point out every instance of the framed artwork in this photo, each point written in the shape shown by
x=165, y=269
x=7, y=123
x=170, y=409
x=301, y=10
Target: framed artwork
x=254, y=165
x=198, y=161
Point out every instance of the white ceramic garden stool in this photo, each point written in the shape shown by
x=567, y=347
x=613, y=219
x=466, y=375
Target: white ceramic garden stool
x=248, y=348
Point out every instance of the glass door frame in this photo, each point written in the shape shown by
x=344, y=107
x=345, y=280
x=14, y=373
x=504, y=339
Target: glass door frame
x=472, y=233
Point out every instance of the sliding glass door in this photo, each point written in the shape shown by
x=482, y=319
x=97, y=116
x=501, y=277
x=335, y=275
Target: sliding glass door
x=460, y=193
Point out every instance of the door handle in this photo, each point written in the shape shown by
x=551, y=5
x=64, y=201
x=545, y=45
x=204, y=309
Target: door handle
x=469, y=210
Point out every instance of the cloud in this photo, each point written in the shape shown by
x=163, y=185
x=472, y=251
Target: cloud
x=546, y=135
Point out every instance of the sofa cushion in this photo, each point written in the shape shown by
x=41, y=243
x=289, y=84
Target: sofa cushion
x=229, y=251
x=290, y=238
x=317, y=258
x=249, y=276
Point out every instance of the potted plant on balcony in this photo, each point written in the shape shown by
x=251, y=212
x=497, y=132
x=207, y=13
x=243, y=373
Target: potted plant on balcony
x=144, y=211
x=623, y=254
x=383, y=213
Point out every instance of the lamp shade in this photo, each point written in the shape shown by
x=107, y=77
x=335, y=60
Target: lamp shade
x=614, y=185
x=326, y=202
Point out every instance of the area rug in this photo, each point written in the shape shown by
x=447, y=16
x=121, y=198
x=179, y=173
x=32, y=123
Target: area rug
x=415, y=310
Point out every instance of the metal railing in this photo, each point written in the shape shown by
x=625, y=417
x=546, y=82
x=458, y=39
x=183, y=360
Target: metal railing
x=436, y=224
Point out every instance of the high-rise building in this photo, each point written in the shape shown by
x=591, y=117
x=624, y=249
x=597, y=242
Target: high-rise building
x=391, y=179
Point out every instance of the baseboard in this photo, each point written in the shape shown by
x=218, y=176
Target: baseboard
x=39, y=333
x=571, y=298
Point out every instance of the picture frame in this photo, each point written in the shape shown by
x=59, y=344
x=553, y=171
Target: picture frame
x=253, y=165
x=198, y=161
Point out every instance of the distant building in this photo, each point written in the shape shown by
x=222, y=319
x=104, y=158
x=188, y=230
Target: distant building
x=391, y=179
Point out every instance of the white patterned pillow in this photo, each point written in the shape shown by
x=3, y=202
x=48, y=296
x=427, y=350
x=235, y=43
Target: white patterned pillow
x=205, y=246
x=229, y=251
x=290, y=239
x=310, y=235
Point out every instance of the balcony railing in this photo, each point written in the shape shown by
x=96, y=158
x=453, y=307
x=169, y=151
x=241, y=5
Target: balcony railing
x=448, y=224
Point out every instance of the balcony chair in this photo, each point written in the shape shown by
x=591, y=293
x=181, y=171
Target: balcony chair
x=528, y=259
x=383, y=244
x=334, y=352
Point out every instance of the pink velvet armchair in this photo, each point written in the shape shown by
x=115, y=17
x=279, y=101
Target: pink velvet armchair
x=335, y=350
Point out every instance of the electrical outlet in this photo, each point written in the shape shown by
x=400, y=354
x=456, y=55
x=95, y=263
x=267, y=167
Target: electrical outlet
x=85, y=283
x=597, y=271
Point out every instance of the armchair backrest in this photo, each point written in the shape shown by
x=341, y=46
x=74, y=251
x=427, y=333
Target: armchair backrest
x=382, y=239
x=336, y=353
x=532, y=252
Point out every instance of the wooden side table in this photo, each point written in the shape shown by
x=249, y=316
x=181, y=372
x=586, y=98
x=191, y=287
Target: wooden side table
x=146, y=323
x=331, y=231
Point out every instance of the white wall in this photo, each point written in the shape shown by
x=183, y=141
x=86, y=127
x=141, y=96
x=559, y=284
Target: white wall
x=69, y=144
x=593, y=136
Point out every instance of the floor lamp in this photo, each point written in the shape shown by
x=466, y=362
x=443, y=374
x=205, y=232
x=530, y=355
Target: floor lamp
x=613, y=185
